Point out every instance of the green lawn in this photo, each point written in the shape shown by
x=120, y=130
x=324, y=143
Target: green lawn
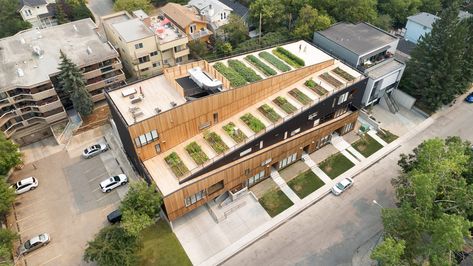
x=161, y=247
x=275, y=202
x=305, y=183
x=367, y=145
x=336, y=165
x=387, y=136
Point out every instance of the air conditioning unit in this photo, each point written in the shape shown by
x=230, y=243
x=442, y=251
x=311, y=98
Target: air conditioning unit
x=173, y=104
x=157, y=110
x=136, y=100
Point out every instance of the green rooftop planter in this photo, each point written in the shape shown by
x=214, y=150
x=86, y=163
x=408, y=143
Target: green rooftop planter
x=342, y=73
x=196, y=152
x=216, y=142
x=331, y=80
x=313, y=86
x=247, y=73
x=236, y=134
x=236, y=80
x=274, y=61
x=300, y=96
x=284, y=104
x=267, y=71
x=176, y=164
x=253, y=123
x=288, y=57
x=269, y=113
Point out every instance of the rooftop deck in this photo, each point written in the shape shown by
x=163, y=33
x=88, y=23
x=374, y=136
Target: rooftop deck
x=168, y=182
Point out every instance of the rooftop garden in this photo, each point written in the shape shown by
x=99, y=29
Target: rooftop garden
x=252, y=122
x=195, y=151
x=215, y=142
x=247, y=73
x=268, y=71
x=269, y=113
x=284, y=104
x=176, y=164
x=331, y=80
x=274, y=61
x=235, y=133
x=300, y=96
x=236, y=80
x=313, y=86
x=289, y=57
x=342, y=73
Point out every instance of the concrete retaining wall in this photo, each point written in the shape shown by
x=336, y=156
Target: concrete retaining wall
x=403, y=99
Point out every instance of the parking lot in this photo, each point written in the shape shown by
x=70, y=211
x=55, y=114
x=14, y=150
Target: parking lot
x=68, y=203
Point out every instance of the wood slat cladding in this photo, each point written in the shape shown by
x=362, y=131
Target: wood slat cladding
x=181, y=123
x=233, y=174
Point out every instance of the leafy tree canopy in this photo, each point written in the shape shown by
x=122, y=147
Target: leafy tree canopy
x=6, y=245
x=10, y=156
x=309, y=21
x=142, y=199
x=132, y=5
x=389, y=252
x=235, y=30
x=10, y=21
x=7, y=196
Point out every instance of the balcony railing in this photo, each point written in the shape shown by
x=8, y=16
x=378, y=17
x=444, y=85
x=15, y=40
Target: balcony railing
x=199, y=34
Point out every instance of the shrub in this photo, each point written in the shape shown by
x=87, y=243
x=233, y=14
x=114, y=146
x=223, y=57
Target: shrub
x=269, y=39
x=310, y=83
x=289, y=57
x=195, y=151
x=285, y=105
x=215, y=142
x=236, y=80
x=269, y=113
x=253, y=123
x=246, y=72
x=176, y=164
x=274, y=61
x=342, y=73
x=268, y=71
x=236, y=134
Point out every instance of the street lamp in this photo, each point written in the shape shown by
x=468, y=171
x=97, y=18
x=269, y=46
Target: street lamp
x=375, y=202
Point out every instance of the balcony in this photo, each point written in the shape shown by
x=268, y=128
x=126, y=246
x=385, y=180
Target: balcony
x=44, y=94
x=7, y=116
x=98, y=97
x=55, y=117
x=181, y=53
x=49, y=106
x=165, y=45
x=374, y=60
x=200, y=34
x=12, y=129
x=100, y=82
x=102, y=70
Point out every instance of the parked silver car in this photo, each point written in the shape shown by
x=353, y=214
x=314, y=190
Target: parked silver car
x=93, y=150
x=341, y=186
x=34, y=243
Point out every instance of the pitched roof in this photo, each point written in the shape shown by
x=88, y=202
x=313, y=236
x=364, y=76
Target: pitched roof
x=204, y=6
x=424, y=19
x=238, y=8
x=183, y=16
x=33, y=2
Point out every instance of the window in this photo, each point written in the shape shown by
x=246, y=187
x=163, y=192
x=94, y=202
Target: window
x=155, y=53
x=215, y=118
x=340, y=111
x=245, y=152
x=316, y=122
x=138, y=45
x=261, y=144
x=146, y=138
x=143, y=59
x=267, y=161
x=156, y=64
x=255, y=179
x=179, y=60
x=312, y=116
x=247, y=171
x=204, y=125
x=343, y=98
x=323, y=141
x=157, y=147
x=144, y=69
x=165, y=62
x=192, y=28
x=215, y=187
x=294, y=132
x=194, y=198
x=286, y=161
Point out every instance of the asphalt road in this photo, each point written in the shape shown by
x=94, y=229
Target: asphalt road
x=330, y=231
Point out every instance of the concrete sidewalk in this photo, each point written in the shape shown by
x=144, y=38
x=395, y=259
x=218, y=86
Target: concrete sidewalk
x=372, y=134
x=284, y=187
x=317, y=171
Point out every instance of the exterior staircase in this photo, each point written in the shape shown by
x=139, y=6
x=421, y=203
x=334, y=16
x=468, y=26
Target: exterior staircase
x=392, y=105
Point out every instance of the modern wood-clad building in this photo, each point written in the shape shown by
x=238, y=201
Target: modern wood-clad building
x=200, y=139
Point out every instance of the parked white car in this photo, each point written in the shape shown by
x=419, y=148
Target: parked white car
x=27, y=184
x=34, y=243
x=93, y=150
x=341, y=186
x=113, y=182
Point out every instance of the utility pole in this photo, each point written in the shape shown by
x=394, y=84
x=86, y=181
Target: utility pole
x=259, y=37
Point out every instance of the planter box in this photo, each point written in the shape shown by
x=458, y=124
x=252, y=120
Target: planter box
x=216, y=142
x=236, y=134
x=330, y=79
x=269, y=113
x=300, y=96
x=253, y=123
x=247, y=73
x=268, y=71
x=274, y=61
x=195, y=151
x=342, y=73
x=236, y=80
x=176, y=164
x=284, y=104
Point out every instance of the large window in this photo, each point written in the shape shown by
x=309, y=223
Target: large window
x=138, y=45
x=146, y=138
x=255, y=179
x=323, y=141
x=343, y=98
x=215, y=187
x=143, y=59
x=286, y=161
x=194, y=198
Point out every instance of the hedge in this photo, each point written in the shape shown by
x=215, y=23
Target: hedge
x=289, y=57
x=274, y=61
x=268, y=71
x=247, y=73
x=236, y=80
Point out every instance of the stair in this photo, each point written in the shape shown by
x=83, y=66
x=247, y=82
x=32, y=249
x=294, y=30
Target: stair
x=74, y=123
x=392, y=105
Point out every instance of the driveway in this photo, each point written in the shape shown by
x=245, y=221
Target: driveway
x=332, y=231
x=67, y=204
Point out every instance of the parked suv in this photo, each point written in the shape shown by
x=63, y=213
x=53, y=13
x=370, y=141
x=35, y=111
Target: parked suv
x=114, y=217
x=112, y=182
x=94, y=150
x=27, y=184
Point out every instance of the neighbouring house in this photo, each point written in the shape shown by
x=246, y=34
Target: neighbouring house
x=420, y=24
x=214, y=11
x=369, y=49
x=39, y=13
x=188, y=20
x=31, y=99
x=146, y=44
x=204, y=141
x=239, y=9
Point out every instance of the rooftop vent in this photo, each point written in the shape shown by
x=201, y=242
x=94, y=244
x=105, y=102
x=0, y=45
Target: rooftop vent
x=37, y=50
x=135, y=111
x=22, y=41
x=136, y=100
x=128, y=92
x=173, y=104
x=89, y=51
x=20, y=72
x=75, y=28
x=157, y=110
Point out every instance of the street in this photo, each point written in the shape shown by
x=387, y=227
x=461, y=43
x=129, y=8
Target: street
x=331, y=231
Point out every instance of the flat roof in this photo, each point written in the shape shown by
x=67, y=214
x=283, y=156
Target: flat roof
x=158, y=94
x=424, y=19
x=384, y=68
x=78, y=40
x=132, y=30
x=360, y=38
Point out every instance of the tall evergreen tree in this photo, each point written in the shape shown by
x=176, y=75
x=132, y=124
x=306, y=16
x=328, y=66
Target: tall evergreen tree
x=73, y=84
x=435, y=74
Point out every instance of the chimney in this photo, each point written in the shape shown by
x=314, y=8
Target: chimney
x=211, y=11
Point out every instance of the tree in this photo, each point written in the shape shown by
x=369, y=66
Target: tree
x=435, y=73
x=399, y=10
x=60, y=14
x=132, y=5
x=384, y=22
x=7, y=197
x=112, y=246
x=198, y=48
x=6, y=245
x=71, y=10
x=435, y=201
x=235, y=31
x=389, y=252
x=10, y=20
x=72, y=82
x=10, y=155
x=349, y=10
x=309, y=21
x=134, y=222
x=223, y=48
x=273, y=14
